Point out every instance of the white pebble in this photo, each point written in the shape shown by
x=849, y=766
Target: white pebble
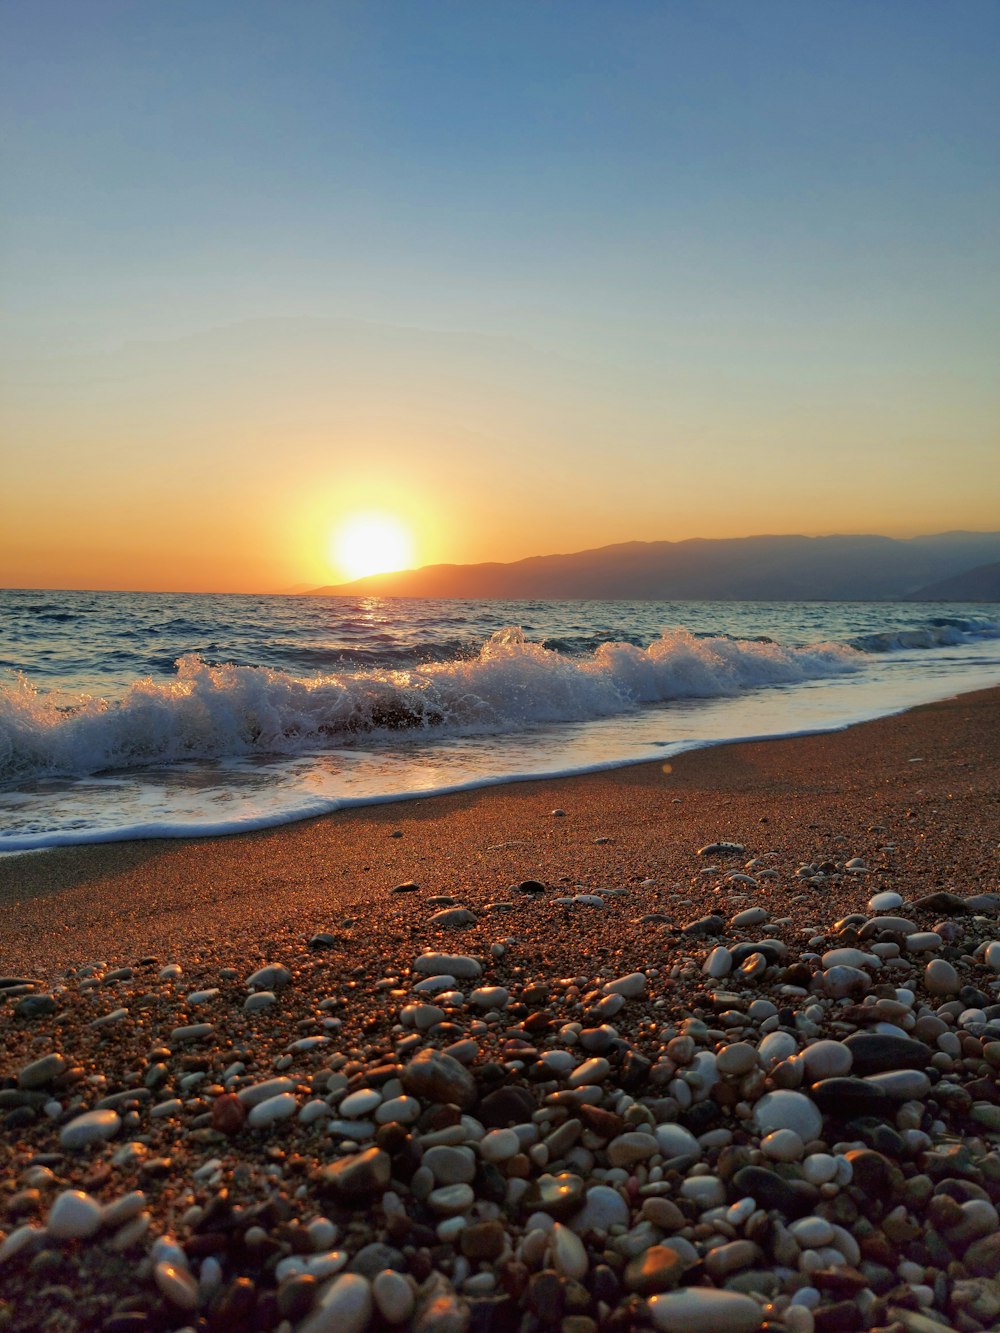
x=74, y=1215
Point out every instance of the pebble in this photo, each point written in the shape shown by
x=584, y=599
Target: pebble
x=345, y=1307
x=884, y=902
x=269, y=1111
x=74, y=1215
x=271, y=977
x=91, y=1127
x=435, y=1076
x=460, y=966
x=788, y=1110
x=43, y=1071
x=603, y=1209
x=177, y=1284
x=719, y=962
x=499, y=1145
x=591, y=1071
x=567, y=1254
x=705, y=1310
x=255, y=1093
x=940, y=978
x=393, y=1296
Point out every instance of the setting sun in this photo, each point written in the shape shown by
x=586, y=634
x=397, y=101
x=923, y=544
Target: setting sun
x=370, y=544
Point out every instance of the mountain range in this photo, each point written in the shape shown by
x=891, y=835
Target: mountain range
x=948, y=566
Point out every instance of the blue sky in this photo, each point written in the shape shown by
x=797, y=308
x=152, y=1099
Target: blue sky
x=753, y=247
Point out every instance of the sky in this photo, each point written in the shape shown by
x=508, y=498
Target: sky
x=523, y=277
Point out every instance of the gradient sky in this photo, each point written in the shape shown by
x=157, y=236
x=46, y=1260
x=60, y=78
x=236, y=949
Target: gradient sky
x=532, y=276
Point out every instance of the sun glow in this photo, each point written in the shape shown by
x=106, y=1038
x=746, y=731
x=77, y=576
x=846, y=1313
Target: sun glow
x=370, y=544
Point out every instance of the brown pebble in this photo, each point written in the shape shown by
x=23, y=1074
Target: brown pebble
x=483, y=1240
x=228, y=1114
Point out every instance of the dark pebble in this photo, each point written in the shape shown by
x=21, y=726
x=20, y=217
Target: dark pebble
x=296, y=1296
x=792, y=1198
x=129, y=1321
x=512, y=1105
x=545, y=1295
x=947, y=904
x=879, y=1052
x=844, y=1317
x=848, y=1097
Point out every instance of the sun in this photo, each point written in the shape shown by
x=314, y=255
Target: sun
x=370, y=544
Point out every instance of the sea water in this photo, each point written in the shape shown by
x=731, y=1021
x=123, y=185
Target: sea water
x=153, y=715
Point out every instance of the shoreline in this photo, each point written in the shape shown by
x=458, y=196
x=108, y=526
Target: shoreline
x=110, y=889
x=651, y=1082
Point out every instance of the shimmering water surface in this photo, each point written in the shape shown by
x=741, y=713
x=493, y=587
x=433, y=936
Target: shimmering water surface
x=128, y=714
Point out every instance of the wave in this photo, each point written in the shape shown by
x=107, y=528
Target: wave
x=936, y=632
x=511, y=684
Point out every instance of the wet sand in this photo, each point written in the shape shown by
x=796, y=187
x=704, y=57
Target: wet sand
x=931, y=776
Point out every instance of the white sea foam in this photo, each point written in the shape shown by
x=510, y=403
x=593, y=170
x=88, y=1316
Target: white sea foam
x=208, y=712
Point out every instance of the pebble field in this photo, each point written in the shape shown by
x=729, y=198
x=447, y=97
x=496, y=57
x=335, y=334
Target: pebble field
x=754, y=1084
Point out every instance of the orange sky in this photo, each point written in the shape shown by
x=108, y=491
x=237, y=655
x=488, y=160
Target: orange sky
x=530, y=278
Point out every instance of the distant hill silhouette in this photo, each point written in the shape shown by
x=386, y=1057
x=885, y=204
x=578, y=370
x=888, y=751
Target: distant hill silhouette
x=766, y=568
x=981, y=584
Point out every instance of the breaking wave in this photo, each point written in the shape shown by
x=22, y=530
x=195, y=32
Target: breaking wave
x=207, y=711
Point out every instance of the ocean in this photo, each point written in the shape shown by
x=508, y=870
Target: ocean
x=127, y=715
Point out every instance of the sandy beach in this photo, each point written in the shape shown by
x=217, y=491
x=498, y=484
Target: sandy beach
x=131, y=971
x=930, y=774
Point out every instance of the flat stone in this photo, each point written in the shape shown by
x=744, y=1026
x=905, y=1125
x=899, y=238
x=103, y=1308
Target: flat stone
x=630, y=1148
x=453, y=918
x=877, y=1052
x=848, y=1097
x=791, y=1198
x=888, y=925
x=630, y=986
x=360, y=1103
x=456, y=965
x=885, y=902
x=91, y=1127
x=942, y=903
x=902, y=1085
x=271, y=1110
x=271, y=977
x=499, y=1145
x=42, y=1071
x=705, y=1310
x=567, y=1253
x=260, y=1092
x=35, y=1006
x=449, y=1200
x=752, y=916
